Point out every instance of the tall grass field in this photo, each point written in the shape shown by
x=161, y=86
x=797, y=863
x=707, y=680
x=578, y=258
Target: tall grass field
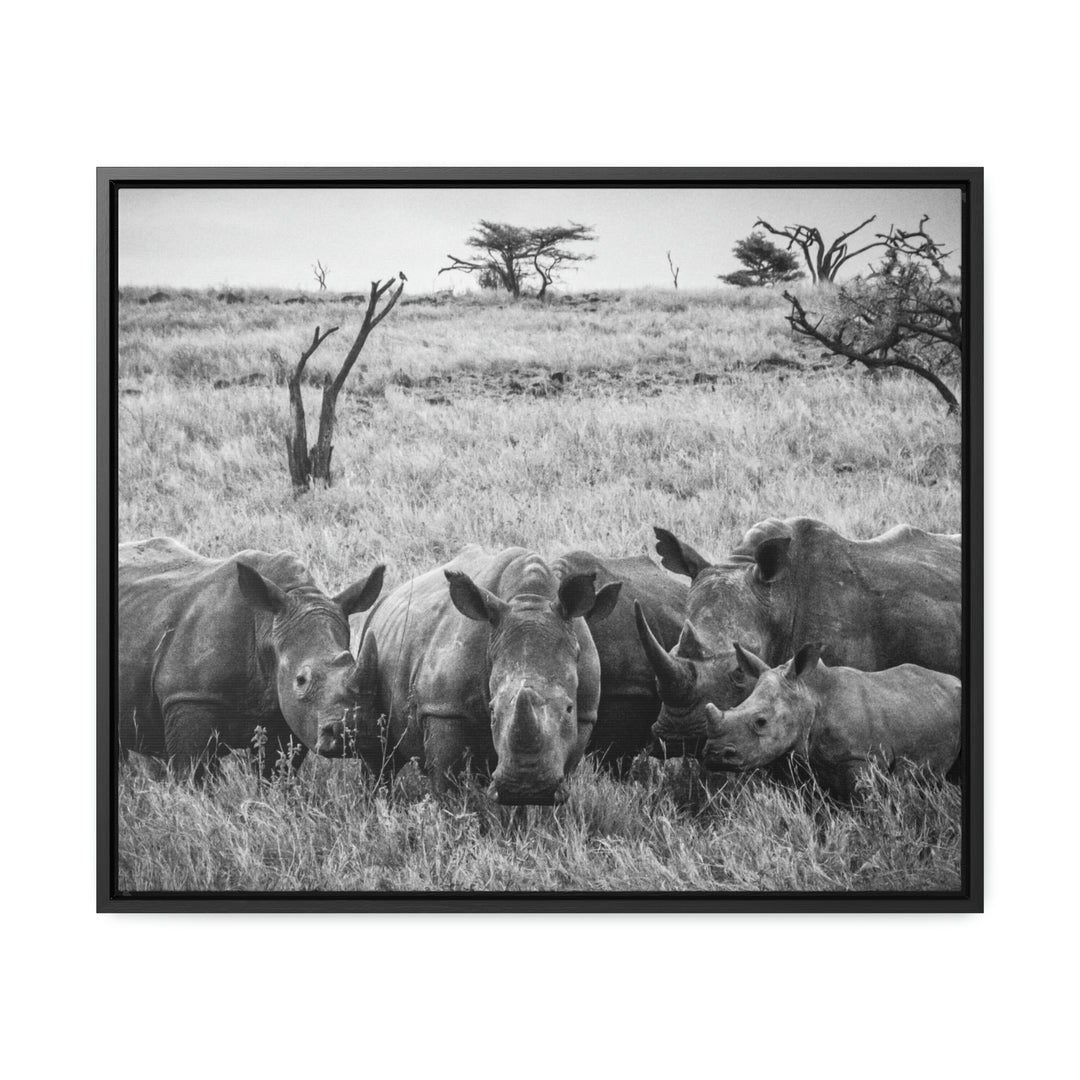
x=551, y=426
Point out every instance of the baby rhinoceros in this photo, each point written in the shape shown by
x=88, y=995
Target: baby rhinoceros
x=838, y=720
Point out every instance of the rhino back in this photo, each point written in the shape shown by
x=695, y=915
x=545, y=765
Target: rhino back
x=904, y=713
x=876, y=603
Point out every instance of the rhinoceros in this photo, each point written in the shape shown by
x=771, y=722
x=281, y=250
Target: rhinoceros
x=878, y=603
x=210, y=649
x=629, y=702
x=489, y=659
x=837, y=720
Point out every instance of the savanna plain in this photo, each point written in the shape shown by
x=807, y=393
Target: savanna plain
x=564, y=425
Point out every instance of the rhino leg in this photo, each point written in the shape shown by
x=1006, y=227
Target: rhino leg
x=623, y=730
x=841, y=781
x=955, y=774
x=192, y=734
x=444, y=749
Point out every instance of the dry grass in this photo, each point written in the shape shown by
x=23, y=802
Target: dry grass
x=454, y=433
x=334, y=830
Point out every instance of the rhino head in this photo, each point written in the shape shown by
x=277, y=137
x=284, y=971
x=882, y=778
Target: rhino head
x=533, y=654
x=318, y=685
x=770, y=723
x=741, y=599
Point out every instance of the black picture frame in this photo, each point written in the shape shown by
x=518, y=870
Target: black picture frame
x=970, y=182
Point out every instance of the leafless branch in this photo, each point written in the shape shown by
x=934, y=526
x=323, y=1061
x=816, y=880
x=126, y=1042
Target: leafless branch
x=918, y=244
x=822, y=261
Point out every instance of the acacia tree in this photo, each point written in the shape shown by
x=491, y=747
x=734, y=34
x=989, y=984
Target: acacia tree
x=905, y=313
x=822, y=260
x=320, y=273
x=305, y=465
x=764, y=264
x=512, y=254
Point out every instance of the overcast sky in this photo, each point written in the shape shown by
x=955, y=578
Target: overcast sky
x=270, y=237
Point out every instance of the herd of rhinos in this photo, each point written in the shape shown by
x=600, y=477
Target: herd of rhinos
x=799, y=647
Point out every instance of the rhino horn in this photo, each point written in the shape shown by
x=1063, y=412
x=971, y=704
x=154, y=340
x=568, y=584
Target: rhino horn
x=673, y=676
x=525, y=732
x=364, y=678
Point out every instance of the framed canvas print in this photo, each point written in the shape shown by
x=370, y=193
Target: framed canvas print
x=551, y=539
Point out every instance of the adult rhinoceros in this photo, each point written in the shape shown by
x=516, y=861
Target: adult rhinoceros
x=209, y=649
x=878, y=603
x=629, y=702
x=489, y=658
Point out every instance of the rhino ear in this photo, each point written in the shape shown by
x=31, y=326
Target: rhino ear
x=678, y=557
x=750, y=662
x=605, y=602
x=806, y=659
x=258, y=591
x=361, y=595
x=771, y=557
x=474, y=601
x=577, y=595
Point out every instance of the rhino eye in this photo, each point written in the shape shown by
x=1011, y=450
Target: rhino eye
x=738, y=677
x=760, y=723
x=569, y=710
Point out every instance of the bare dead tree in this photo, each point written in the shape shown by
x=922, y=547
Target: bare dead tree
x=320, y=274
x=304, y=465
x=674, y=270
x=822, y=260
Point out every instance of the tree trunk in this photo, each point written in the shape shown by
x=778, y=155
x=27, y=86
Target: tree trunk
x=299, y=462
x=324, y=445
x=296, y=447
x=930, y=377
x=510, y=277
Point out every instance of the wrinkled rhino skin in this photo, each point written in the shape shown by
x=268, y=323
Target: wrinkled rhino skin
x=488, y=661
x=838, y=719
x=210, y=649
x=877, y=603
x=629, y=701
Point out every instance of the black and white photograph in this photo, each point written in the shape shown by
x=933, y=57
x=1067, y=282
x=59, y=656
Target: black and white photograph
x=581, y=537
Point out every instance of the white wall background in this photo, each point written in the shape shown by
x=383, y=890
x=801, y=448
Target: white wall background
x=270, y=84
